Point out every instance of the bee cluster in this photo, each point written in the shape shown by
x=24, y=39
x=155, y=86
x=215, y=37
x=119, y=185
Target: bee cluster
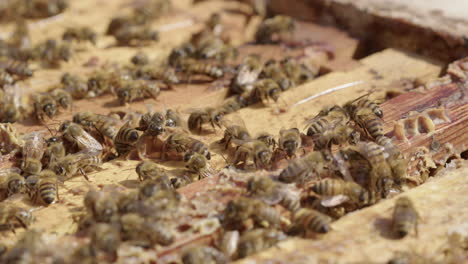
x=342, y=161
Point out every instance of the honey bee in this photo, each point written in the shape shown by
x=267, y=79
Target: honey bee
x=256, y=240
x=137, y=90
x=11, y=109
x=17, y=68
x=363, y=102
x=182, y=143
x=301, y=169
x=105, y=237
x=52, y=53
x=271, y=26
x=309, y=220
x=290, y=141
x=43, y=188
x=197, y=164
x=158, y=204
x=266, y=89
x=217, y=49
x=55, y=150
x=327, y=118
x=11, y=182
x=148, y=11
x=192, y=66
x=178, y=54
x=267, y=139
x=102, y=206
x=272, y=70
x=203, y=254
x=33, y=151
x=43, y=9
x=255, y=150
x=44, y=105
x=173, y=119
x=105, y=125
x=75, y=85
x=366, y=114
x=140, y=58
x=76, y=135
x=238, y=211
x=233, y=103
x=271, y=192
x=5, y=78
x=12, y=216
x=405, y=217
x=152, y=123
x=62, y=97
x=164, y=74
x=135, y=35
x=126, y=139
x=10, y=140
x=80, y=34
x=235, y=132
x=333, y=187
x=358, y=166
x=73, y=163
x=208, y=115
x=296, y=72
x=142, y=232
x=105, y=81
x=150, y=170
x=3, y=249
x=395, y=159
x=247, y=75
x=337, y=135
x=381, y=174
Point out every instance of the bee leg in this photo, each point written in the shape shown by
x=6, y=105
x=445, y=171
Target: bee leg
x=12, y=228
x=84, y=174
x=226, y=145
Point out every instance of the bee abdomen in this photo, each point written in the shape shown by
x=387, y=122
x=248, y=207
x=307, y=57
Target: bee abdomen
x=48, y=192
x=317, y=127
x=312, y=220
x=327, y=187
x=374, y=126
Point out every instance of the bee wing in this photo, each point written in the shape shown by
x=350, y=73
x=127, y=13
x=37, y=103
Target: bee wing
x=7, y=171
x=342, y=166
x=234, y=119
x=13, y=94
x=246, y=75
x=34, y=145
x=332, y=201
x=272, y=197
x=88, y=142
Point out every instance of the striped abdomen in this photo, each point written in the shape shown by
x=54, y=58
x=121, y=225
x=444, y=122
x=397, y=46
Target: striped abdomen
x=312, y=220
x=373, y=125
x=375, y=153
x=318, y=126
x=366, y=103
x=204, y=68
x=329, y=187
x=47, y=188
x=18, y=68
x=15, y=183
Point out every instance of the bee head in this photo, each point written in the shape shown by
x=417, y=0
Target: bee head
x=155, y=129
x=50, y=109
x=274, y=94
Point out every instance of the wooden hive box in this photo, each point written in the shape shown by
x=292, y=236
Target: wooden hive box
x=388, y=58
